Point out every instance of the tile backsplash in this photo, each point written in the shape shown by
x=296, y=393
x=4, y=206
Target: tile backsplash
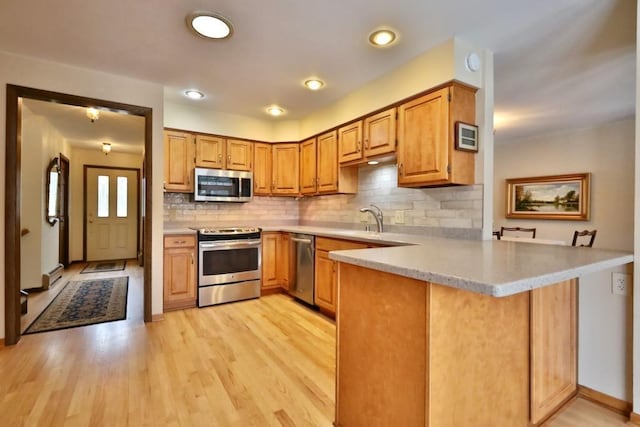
x=445, y=211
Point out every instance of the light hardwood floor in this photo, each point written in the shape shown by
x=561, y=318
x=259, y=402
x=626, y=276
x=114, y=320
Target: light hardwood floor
x=263, y=362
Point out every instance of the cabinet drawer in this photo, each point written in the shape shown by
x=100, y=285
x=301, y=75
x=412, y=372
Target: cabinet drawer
x=325, y=244
x=180, y=241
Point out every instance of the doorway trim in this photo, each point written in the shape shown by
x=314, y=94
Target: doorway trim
x=12, y=193
x=84, y=204
x=63, y=239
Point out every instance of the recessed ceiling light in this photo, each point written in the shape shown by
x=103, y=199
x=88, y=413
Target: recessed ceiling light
x=275, y=110
x=382, y=37
x=314, y=84
x=210, y=25
x=193, y=94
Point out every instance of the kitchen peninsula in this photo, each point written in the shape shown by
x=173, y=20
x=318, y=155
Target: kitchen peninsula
x=454, y=332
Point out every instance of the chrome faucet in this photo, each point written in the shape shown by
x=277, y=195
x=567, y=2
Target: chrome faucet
x=377, y=214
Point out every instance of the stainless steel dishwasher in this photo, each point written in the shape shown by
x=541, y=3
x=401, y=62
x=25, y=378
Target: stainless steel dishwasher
x=303, y=267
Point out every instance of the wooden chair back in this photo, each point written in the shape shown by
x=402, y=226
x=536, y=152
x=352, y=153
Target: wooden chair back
x=583, y=233
x=519, y=229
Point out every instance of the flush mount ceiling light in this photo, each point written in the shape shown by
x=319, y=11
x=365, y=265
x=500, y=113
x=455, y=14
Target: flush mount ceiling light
x=382, y=37
x=106, y=148
x=275, y=110
x=93, y=114
x=209, y=25
x=193, y=94
x=314, y=84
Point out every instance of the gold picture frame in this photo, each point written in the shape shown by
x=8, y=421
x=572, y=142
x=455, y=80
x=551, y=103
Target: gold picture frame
x=564, y=197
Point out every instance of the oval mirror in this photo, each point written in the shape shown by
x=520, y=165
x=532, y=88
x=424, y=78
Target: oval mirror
x=52, y=206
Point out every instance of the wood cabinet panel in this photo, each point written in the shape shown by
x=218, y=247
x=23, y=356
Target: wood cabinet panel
x=325, y=281
x=179, y=268
x=553, y=348
x=239, y=155
x=270, y=260
x=308, y=172
x=178, y=161
x=261, y=169
x=380, y=133
x=210, y=151
x=328, y=163
x=286, y=169
x=283, y=267
x=350, y=142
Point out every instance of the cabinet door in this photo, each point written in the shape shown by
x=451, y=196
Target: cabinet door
x=423, y=139
x=380, y=133
x=179, y=278
x=210, y=151
x=284, y=260
x=553, y=348
x=328, y=163
x=350, y=142
x=261, y=169
x=178, y=162
x=269, y=260
x=286, y=167
x=308, y=179
x=239, y=155
x=325, y=281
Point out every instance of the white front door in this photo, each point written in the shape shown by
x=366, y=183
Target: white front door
x=112, y=213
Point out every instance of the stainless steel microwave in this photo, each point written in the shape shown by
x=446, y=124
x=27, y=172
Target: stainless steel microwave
x=217, y=185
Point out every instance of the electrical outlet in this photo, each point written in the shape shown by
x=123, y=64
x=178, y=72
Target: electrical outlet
x=620, y=283
x=364, y=217
x=398, y=218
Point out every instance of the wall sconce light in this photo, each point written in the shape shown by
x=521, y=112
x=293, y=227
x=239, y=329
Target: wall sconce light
x=106, y=148
x=93, y=114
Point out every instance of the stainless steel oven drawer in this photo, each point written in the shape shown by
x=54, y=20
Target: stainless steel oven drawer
x=218, y=294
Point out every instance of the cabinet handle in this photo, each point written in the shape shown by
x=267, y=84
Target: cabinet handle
x=229, y=158
x=366, y=144
x=179, y=242
x=400, y=168
x=358, y=146
x=191, y=258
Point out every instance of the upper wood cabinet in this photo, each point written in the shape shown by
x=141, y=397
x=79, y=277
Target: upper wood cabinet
x=261, y=169
x=286, y=169
x=327, y=175
x=426, y=154
x=372, y=137
x=178, y=161
x=308, y=171
x=380, y=133
x=239, y=155
x=350, y=142
x=210, y=151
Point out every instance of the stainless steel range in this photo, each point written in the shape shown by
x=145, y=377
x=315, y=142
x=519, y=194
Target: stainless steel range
x=229, y=264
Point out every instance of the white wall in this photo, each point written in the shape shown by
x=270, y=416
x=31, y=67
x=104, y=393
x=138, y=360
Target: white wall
x=77, y=81
x=80, y=158
x=608, y=153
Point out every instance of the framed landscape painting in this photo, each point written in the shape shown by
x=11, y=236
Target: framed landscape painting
x=549, y=197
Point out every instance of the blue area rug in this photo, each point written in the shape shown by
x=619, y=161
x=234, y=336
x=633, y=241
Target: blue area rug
x=84, y=302
x=102, y=266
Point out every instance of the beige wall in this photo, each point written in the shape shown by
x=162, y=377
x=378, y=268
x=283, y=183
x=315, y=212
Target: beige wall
x=39, y=248
x=608, y=153
x=57, y=77
x=82, y=157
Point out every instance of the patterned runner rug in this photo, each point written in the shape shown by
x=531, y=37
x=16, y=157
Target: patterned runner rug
x=102, y=266
x=84, y=302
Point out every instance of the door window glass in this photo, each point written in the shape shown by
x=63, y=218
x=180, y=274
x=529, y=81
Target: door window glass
x=103, y=196
x=121, y=199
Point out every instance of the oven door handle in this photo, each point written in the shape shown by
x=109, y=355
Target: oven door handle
x=229, y=245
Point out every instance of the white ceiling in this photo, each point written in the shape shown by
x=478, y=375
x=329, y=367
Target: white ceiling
x=559, y=64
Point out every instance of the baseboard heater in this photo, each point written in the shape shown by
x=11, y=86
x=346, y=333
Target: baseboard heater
x=52, y=276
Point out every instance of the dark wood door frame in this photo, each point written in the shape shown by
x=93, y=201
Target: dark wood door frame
x=63, y=243
x=84, y=204
x=15, y=94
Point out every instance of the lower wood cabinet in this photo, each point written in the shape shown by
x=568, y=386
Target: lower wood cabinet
x=326, y=277
x=275, y=260
x=179, y=290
